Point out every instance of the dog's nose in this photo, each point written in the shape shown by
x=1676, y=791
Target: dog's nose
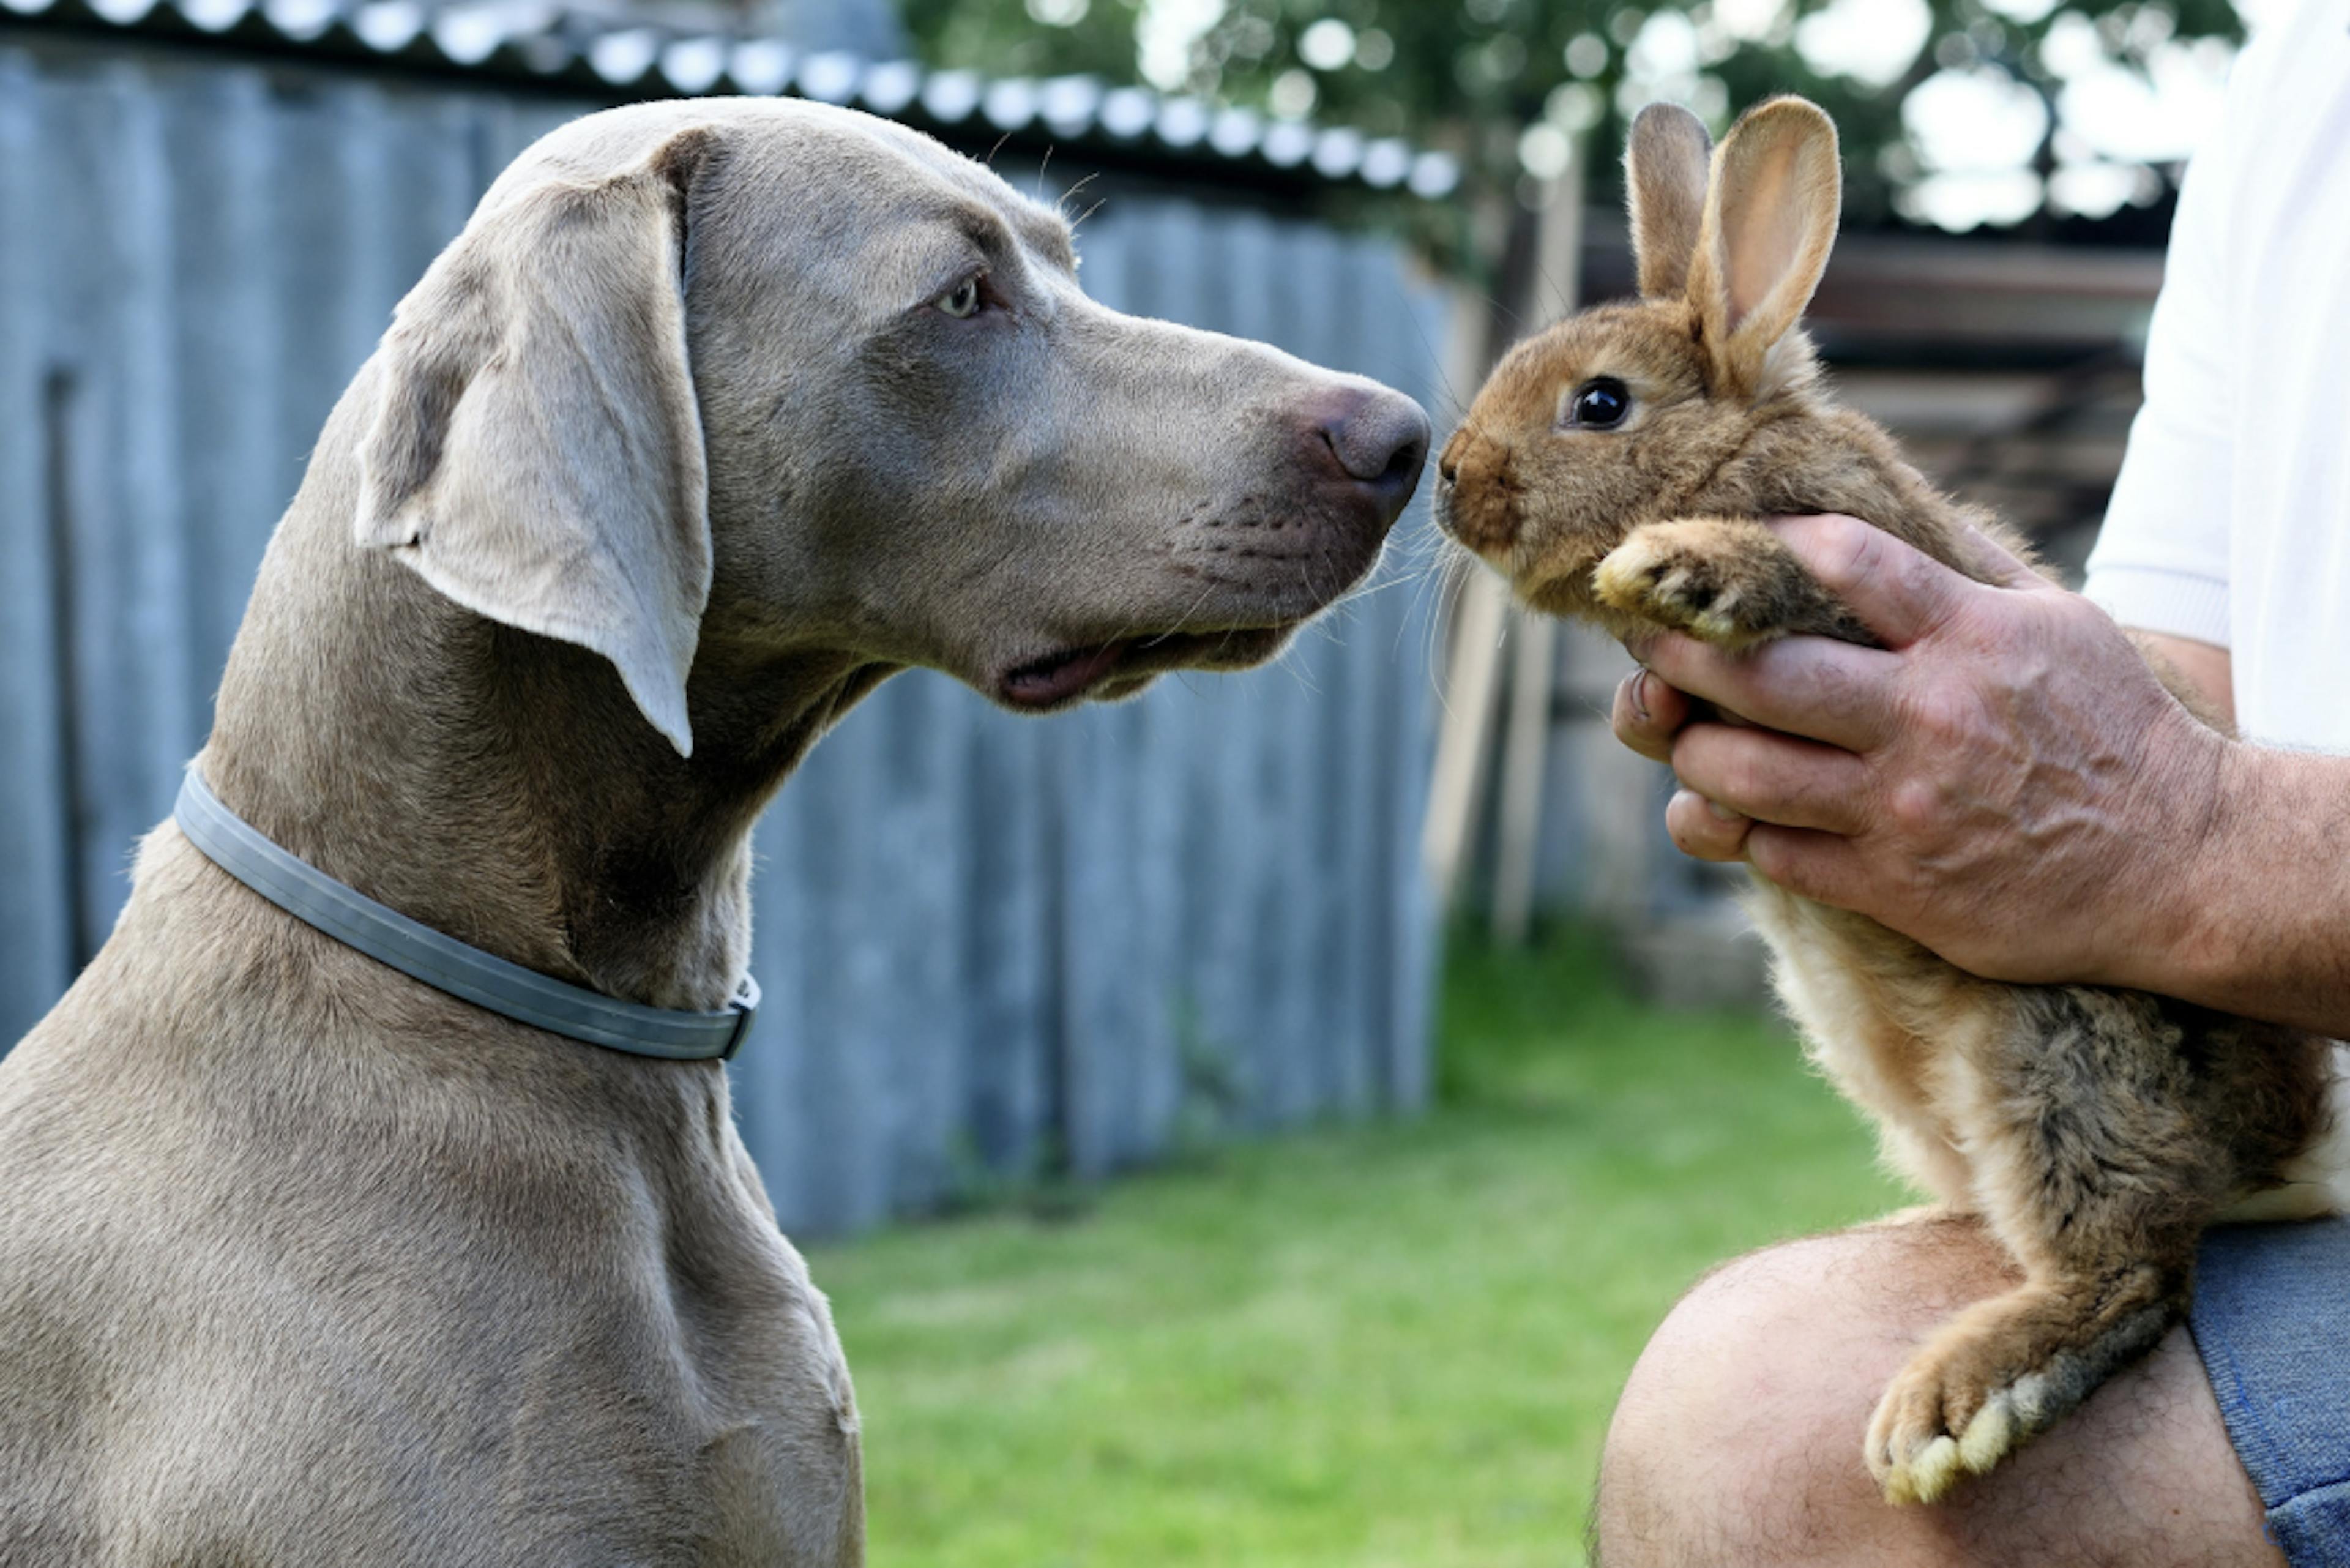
x=1380, y=440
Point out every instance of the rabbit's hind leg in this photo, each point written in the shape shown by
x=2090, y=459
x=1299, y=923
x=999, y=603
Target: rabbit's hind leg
x=1729, y=581
x=2097, y=1160
x=2007, y=1368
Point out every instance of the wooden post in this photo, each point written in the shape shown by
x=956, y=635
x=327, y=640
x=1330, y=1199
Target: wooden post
x=1549, y=293
x=1473, y=685
x=1525, y=749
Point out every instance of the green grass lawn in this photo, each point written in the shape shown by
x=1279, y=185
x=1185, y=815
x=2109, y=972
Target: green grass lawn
x=1395, y=1345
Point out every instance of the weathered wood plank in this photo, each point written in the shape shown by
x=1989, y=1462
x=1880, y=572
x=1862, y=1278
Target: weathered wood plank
x=115, y=389
x=226, y=326
x=36, y=870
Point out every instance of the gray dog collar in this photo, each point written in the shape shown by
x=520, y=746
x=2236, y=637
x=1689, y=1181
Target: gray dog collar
x=444, y=963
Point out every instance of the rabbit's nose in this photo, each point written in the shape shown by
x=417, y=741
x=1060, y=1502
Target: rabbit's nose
x=1448, y=461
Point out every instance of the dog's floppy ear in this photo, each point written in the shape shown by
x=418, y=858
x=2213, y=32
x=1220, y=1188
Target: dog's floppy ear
x=1770, y=221
x=1664, y=186
x=536, y=450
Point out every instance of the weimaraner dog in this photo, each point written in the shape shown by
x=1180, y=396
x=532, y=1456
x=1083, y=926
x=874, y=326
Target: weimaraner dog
x=715, y=415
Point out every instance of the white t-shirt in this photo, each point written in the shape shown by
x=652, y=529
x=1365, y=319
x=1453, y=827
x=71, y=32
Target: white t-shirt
x=2231, y=521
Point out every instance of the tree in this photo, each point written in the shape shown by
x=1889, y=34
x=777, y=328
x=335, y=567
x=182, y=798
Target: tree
x=1506, y=84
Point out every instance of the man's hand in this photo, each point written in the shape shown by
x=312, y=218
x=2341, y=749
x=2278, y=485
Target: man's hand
x=2005, y=781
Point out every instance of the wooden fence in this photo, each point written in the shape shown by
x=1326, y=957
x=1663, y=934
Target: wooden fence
x=990, y=947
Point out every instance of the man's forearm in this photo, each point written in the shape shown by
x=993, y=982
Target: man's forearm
x=2208, y=668
x=2259, y=922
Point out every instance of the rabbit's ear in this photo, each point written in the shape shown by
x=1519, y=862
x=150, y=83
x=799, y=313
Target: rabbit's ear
x=536, y=452
x=1770, y=220
x=1664, y=185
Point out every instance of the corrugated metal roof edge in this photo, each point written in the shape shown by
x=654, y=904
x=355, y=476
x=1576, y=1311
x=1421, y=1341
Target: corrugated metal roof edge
x=573, y=49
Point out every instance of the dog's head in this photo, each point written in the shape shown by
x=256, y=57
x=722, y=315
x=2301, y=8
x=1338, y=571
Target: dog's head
x=772, y=374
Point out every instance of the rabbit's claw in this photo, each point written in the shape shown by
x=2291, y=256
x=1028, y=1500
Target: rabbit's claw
x=1933, y=1428
x=1693, y=577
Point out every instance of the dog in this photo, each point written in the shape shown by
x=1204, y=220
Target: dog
x=717, y=414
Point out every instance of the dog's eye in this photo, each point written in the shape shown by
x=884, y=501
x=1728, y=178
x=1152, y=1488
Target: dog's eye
x=965, y=301
x=1600, y=404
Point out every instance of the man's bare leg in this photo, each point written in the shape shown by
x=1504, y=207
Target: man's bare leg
x=1738, y=1441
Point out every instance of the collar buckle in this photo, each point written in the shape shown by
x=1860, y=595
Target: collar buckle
x=745, y=1004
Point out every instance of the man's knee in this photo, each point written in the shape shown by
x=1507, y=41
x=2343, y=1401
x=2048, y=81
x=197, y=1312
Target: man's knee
x=1737, y=1440
x=1731, y=1441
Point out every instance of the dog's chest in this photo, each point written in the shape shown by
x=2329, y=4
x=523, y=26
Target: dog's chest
x=659, y=1387
x=708, y=1398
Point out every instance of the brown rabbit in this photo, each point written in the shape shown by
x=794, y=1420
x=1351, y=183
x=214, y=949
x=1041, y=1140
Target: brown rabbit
x=1617, y=468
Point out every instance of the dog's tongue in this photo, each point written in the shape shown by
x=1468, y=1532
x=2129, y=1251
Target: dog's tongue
x=1061, y=677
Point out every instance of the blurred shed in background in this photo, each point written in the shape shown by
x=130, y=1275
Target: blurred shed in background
x=990, y=948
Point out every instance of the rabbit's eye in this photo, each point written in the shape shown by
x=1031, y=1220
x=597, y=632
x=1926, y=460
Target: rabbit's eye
x=1600, y=404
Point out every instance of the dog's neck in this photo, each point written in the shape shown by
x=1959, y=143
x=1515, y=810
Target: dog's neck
x=497, y=785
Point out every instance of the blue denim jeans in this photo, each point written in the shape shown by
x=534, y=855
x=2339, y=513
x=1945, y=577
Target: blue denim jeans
x=2271, y=1321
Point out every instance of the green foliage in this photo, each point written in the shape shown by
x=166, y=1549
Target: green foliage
x=1473, y=75
x=1003, y=38
x=1392, y=1344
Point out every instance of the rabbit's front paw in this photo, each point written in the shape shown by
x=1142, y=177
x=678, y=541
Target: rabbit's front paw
x=1701, y=575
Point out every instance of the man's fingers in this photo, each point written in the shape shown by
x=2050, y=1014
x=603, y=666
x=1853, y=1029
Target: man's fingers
x=1822, y=867
x=1901, y=593
x=1701, y=828
x=1990, y=561
x=1810, y=686
x=1774, y=778
x=1649, y=714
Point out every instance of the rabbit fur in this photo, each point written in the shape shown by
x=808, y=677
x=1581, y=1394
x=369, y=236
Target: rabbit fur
x=2095, y=1132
